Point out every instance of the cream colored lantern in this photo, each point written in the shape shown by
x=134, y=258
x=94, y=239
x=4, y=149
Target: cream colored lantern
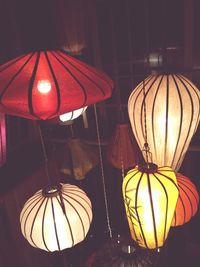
x=172, y=116
x=69, y=116
x=56, y=218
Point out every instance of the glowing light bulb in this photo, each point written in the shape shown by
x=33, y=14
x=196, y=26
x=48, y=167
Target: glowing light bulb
x=44, y=86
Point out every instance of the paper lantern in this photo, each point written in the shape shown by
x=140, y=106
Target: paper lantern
x=64, y=118
x=45, y=84
x=79, y=159
x=150, y=196
x=123, y=151
x=172, y=116
x=56, y=218
x=188, y=201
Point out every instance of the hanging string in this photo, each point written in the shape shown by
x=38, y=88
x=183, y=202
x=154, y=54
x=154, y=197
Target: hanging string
x=102, y=172
x=45, y=156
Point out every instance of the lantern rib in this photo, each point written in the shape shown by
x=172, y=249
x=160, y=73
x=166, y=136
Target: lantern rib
x=168, y=178
x=68, y=222
x=33, y=222
x=138, y=217
x=55, y=82
x=30, y=89
x=11, y=63
x=183, y=206
x=103, y=77
x=75, y=200
x=32, y=208
x=29, y=203
x=191, y=205
x=152, y=210
x=192, y=115
x=43, y=217
x=186, y=184
x=181, y=120
x=70, y=193
x=152, y=114
x=83, y=228
x=54, y=221
x=81, y=86
x=167, y=201
x=91, y=80
x=14, y=76
x=166, y=117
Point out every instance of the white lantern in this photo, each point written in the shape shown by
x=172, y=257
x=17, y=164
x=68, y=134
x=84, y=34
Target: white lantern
x=172, y=116
x=56, y=218
x=69, y=116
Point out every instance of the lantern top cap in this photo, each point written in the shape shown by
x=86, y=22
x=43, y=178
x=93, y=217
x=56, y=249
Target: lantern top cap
x=52, y=191
x=147, y=167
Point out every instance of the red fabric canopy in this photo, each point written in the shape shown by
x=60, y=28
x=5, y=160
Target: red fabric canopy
x=69, y=83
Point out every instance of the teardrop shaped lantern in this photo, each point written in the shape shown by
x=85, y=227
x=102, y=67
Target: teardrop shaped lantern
x=150, y=195
x=56, y=218
x=188, y=201
x=45, y=84
x=123, y=151
x=172, y=116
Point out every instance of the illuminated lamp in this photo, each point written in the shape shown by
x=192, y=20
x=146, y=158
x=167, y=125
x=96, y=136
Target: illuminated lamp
x=64, y=118
x=188, y=201
x=46, y=84
x=172, y=116
x=150, y=195
x=56, y=218
x=123, y=151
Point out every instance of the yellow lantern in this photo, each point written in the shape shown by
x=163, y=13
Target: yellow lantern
x=150, y=196
x=172, y=115
x=56, y=218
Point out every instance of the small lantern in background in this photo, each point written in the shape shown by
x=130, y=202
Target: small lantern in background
x=171, y=104
x=2, y=139
x=123, y=151
x=56, y=218
x=150, y=196
x=188, y=201
x=79, y=158
x=69, y=116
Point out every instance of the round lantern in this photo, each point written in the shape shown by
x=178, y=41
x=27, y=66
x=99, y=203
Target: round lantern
x=56, y=218
x=45, y=84
x=69, y=116
x=123, y=151
x=150, y=195
x=188, y=201
x=172, y=115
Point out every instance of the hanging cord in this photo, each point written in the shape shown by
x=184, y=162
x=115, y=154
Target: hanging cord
x=45, y=155
x=102, y=172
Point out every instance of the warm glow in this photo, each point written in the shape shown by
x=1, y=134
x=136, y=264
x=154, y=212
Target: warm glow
x=72, y=114
x=188, y=201
x=48, y=224
x=172, y=116
x=150, y=200
x=44, y=86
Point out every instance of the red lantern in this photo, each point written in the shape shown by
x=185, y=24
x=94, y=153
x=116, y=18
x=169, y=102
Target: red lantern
x=123, y=151
x=46, y=84
x=188, y=201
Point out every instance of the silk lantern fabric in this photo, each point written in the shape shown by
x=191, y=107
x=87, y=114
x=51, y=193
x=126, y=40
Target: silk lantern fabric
x=188, y=201
x=150, y=197
x=45, y=84
x=56, y=218
x=123, y=151
x=172, y=116
x=66, y=117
